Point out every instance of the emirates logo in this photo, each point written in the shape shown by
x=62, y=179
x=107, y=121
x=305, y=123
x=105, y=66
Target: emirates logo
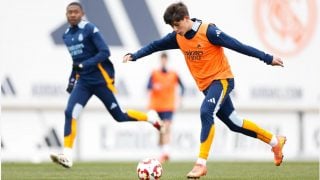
x=285, y=26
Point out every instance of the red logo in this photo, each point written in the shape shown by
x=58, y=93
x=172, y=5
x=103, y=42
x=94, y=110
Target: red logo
x=285, y=26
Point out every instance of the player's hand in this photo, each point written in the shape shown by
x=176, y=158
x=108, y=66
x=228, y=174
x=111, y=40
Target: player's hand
x=127, y=57
x=72, y=83
x=70, y=87
x=276, y=61
x=77, y=66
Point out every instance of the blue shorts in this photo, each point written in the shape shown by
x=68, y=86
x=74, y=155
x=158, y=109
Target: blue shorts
x=166, y=115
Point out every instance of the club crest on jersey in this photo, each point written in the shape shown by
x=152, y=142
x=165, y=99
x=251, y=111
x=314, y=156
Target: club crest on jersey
x=218, y=32
x=80, y=37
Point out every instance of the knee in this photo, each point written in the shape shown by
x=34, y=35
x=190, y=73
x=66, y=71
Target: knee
x=237, y=122
x=234, y=128
x=73, y=112
x=120, y=117
x=68, y=113
x=206, y=115
x=120, y=120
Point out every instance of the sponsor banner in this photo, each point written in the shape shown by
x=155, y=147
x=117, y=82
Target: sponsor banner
x=32, y=135
x=37, y=71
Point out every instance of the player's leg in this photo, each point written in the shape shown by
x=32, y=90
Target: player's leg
x=214, y=96
x=77, y=100
x=111, y=103
x=164, y=137
x=228, y=115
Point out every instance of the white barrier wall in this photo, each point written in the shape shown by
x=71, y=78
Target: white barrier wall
x=32, y=135
x=35, y=67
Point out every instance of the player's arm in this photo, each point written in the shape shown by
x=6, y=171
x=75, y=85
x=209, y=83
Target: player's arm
x=72, y=81
x=217, y=37
x=182, y=89
x=167, y=42
x=99, y=43
x=149, y=85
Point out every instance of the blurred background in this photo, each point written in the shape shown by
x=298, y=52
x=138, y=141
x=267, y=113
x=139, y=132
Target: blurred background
x=35, y=67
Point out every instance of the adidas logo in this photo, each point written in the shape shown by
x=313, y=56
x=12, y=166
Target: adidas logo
x=212, y=100
x=98, y=12
x=51, y=139
x=113, y=105
x=7, y=87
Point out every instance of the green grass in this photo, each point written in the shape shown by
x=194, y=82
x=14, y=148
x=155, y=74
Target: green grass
x=173, y=170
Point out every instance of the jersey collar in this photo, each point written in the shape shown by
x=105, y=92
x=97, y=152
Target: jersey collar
x=196, y=24
x=80, y=25
x=195, y=27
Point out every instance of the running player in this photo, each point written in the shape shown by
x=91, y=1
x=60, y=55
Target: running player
x=92, y=74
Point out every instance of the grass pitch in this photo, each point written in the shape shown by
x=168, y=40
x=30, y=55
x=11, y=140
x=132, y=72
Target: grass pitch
x=172, y=170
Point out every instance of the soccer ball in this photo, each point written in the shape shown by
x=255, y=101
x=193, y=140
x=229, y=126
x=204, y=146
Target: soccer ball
x=149, y=168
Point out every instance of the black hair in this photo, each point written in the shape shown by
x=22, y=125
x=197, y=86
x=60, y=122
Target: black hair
x=175, y=12
x=164, y=55
x=75, y=4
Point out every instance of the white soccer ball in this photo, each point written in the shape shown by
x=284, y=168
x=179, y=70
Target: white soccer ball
x=149, y=168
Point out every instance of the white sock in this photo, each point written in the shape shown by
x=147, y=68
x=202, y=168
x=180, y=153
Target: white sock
x=201, y=161
x=67, y=152
x=152, y=116
x=274, y=141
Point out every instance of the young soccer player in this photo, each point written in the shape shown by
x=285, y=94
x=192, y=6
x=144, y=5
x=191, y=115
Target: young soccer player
x=92, y=74
x=162, y=86
x=202, y=46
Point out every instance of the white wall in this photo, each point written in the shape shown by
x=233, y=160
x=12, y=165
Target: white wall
x=101, y=138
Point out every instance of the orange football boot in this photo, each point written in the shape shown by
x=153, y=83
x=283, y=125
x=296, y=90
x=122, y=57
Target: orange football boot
x=277, y=150
x=197, y=171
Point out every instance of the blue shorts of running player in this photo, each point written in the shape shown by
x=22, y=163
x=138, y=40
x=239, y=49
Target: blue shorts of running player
x=165, y=115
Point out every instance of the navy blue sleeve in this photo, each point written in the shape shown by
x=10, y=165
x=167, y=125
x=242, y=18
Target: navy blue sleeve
x=149, y=86
x=99, y=43
x=167, y=42
x=217, y=37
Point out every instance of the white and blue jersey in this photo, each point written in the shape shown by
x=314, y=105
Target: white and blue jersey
x=86, y=46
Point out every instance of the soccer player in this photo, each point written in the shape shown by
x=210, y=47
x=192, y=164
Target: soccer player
x=202, y=46
x=162, y=86
x=92, y=74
